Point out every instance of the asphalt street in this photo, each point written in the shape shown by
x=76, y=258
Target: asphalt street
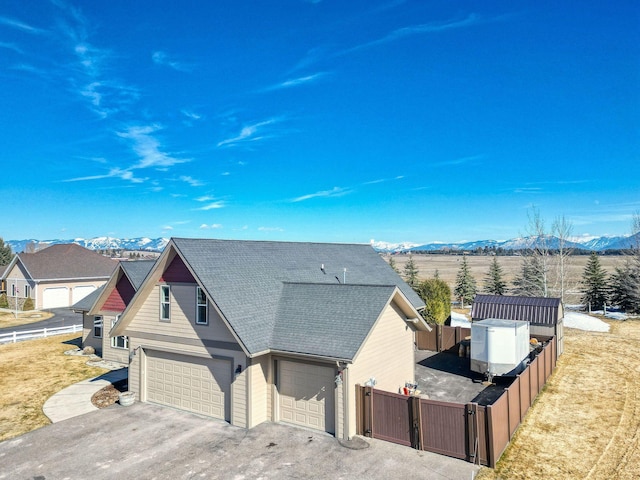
x=62, y=317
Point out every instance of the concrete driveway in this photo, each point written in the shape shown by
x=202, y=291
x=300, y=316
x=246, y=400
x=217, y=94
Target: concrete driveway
x=146, y=441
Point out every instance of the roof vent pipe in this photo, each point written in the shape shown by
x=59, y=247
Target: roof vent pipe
x=344, y=276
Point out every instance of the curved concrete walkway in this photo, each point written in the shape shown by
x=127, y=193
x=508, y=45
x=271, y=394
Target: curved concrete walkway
x=75, y=400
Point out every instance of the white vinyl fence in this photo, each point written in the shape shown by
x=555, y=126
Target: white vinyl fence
x=14, y=337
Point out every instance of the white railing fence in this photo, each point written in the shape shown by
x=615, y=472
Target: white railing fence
x=13, y=337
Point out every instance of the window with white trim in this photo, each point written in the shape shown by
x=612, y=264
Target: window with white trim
x=165, y=303
x=119, y=342
x=27, y=291
x=14, y=290
x=97, y=327
x=201, y=307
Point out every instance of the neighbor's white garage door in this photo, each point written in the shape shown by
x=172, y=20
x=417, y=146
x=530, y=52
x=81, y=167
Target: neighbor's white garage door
x=55, y=297
x=306, y=395
x=80, y=292
x=195, y=384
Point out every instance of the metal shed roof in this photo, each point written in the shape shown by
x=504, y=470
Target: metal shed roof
x=535, y=310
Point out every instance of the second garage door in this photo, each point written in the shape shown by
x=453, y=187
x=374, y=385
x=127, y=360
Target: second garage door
x=199, y=385
x=306, y=395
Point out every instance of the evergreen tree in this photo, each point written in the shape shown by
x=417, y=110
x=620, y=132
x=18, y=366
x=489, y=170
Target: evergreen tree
x=625, y=286
x=6, y=255
x=392, y=264
x=625, y=282
x=465, y=283
x=494, y=282
x=436, y=295
x=411, y=272
x=594, y=281
x=530, y=282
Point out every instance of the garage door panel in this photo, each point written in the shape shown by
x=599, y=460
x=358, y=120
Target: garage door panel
x=80, y=292
x=190, y=383
x=55, y=297
x=306, y=395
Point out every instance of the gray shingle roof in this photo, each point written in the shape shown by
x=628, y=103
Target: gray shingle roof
x=67, y=261
x=535, y=310
x=327, y=320
x=137, y=271
x=250, y=283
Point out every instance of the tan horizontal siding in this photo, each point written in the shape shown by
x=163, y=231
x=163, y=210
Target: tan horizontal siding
x=183, y=314
x=259, y=388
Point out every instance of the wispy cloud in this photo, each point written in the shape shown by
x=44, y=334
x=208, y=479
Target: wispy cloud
x=213, y=226
x=148, y=148
x=25, y=67
x=122, y=174
x=527, y=190
x=341, y=191
x=191, y=114
x=251, y=133
x=161, y=58
x=19, y=25
x=383, y=180
x=459, y=161
x=213, y=205
x=431, y=27
x=191, y=181
x=296, y=82
x=334, y=192
x=270, y=229
x=88, y=72
x=11, y=46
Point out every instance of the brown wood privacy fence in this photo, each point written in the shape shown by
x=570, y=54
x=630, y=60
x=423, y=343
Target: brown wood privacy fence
x=472, y=432
x=441, y=337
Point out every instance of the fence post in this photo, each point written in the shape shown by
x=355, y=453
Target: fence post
x=473, y=445
x=45, y=333
x=367, y=419
x=14, y=337
x=416, y=422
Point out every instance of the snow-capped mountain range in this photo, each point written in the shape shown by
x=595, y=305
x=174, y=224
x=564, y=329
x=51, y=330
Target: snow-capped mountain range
x=98, y=243
x=157, y=244
x=597, y=244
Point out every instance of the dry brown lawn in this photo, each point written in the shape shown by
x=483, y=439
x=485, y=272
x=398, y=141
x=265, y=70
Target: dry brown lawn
x=586, y=422
x=449, y=265
x=32, y=371
x=8, y=319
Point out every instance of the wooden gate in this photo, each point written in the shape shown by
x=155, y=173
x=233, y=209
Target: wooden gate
x=443, y=428
x=387, y=416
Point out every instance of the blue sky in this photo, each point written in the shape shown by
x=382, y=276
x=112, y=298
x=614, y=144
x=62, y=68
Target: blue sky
x=318, y=120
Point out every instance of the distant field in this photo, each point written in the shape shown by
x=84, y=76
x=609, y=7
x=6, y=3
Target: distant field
x=449, y=265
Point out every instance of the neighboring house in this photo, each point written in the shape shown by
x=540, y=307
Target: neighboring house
x=57, y=276
x=250, y=331
x=102, y=308
x=544, y=314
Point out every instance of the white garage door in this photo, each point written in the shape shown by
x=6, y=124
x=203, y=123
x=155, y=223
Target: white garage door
x=80, y=292
x=306, y=395
x=199, y=385
x=55, y=297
